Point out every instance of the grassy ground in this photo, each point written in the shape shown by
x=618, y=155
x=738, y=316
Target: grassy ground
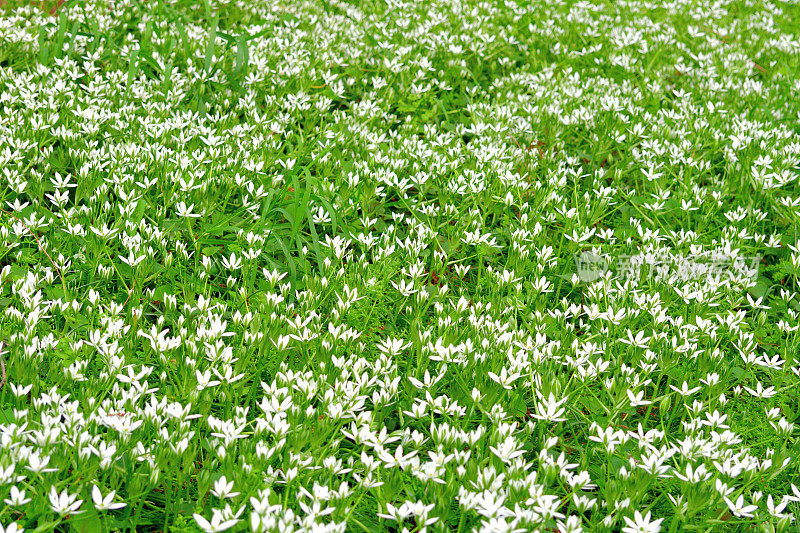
x=317, y=266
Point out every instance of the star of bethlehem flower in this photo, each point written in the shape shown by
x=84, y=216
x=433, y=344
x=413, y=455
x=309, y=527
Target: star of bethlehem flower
x=739, y=509
x=224, y=488
x=16, y=497
x=13, y=527
x=105, y=503
x=217, y=523
x=64, y=503
x=642, y=523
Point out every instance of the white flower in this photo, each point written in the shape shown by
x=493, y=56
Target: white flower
x=217, y=523
x=637, y=400
x=132, y=260
x=777, y=510
x=105, y=232
x=642, y=524
x=761, y=392
x=39, y=464
x=739, y=509
x=392, y=346
x=396, y=460
x=223, y=488
x=397, y=514
x=105, y=504
x=64, y=503
x=20, y=391
x=684, y=390
x=204, y=380
x=507, y=450
x=232, y=262
x=182, y=211
x=16, y=497
x=13, y=527
x=550, y=409
x=504, y=379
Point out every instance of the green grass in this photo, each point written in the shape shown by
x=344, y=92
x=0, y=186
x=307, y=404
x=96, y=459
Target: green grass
x=275, y=243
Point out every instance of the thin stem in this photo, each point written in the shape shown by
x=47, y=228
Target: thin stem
x=41, y=247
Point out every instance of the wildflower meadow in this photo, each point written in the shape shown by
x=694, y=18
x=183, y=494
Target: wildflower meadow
x=363, y=266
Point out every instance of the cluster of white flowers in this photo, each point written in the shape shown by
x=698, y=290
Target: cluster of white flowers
x=309, y=266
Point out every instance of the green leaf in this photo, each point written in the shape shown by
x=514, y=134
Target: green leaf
x=315, y=240
x=76, y=26
x=759, y=290
x=738, y=372
x=289, y=261
x=211, y=45
x=242, y=54
x=62, y=30
x=44, y=49
x=86, y=522
x=788, y=412
x=132, y=67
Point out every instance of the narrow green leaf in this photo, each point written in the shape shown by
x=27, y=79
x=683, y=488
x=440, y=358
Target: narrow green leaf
x=289, y=260
x=60, y=35
x=315, y=240
x=44, y=49
x=211, y=45
x=242, y=54
x=132, y=67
